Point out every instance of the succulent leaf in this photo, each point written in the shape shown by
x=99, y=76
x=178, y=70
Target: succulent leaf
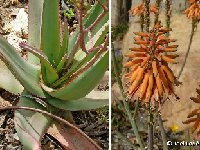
x=89, y=19
x=34, y=27
x=83, y=84
x=27, y=74
x=50, y=36
x=99, y=100
x=8, y=81
x=29, y=130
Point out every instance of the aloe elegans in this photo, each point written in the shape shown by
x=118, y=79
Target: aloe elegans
x=64, y=74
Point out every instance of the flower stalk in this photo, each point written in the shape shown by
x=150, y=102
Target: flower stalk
x=131, y=119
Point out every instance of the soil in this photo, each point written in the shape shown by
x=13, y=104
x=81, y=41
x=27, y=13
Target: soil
x=91, y=122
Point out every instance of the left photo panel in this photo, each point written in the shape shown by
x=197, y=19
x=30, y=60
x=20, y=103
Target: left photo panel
x=54, y=74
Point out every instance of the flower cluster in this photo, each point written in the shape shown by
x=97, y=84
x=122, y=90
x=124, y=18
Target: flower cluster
x=194, y=10
x=194, y=116
x=139, y=9
x=150, y=77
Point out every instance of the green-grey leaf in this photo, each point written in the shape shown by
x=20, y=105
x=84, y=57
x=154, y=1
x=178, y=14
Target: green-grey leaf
x=27, y=74
x=52, y=74
x=34, y=27
x=83, y=84
x=50, y=38
x=101, y=36
x=65, y=41
x=30, y=125
x=93, y=14
x=8, y=81
x=77, y=65
x=98, y=100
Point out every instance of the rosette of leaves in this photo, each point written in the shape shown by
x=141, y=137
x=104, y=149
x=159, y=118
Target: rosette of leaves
x=150, y=77
x=61, y=71
x=193, y=117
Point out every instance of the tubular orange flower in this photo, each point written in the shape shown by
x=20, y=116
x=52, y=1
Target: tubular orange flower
x=150, y=76
x=194, y=116
x=139, y=9
x=194, y=10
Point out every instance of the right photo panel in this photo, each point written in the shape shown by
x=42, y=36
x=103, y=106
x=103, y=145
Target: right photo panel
x=155, y=74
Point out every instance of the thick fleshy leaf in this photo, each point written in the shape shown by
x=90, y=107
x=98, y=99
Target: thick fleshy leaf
x=83, y=84
x=50, y=37
x=8, y=81
x=44, y=60
x=101, y=37
x=92, y=15
x=65, y=41
x=71, y=138
x=27, y=74
x=94, y=12
x=76, y=65
x=34, y=27
x=94, y=100
x=63, y=50
x=30, y=125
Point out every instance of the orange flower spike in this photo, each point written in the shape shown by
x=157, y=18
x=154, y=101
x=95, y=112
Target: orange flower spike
x=193, y=113
x=196, y=126
x=150, y=87
x=198, y=91
x=130, y=63
x=144, y=84
x=170, y=49
x=159, y=86
x=134, y=75
x=134, y=68
x=155, y=69
x=136, y=55
x=164, y=81
x=143, y=34
x=193, y=12
x=151, y=78
x=195, y=99
x=168, y=59
x=139, y=9
x=168, y=72
x=190, y=120
x=138, y=49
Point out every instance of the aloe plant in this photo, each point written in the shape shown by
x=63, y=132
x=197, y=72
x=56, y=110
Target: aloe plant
x=62, y=69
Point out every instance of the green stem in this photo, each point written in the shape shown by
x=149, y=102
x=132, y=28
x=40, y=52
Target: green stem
x=126, y=140
x=150, y=129
x=136, y=109
x=163, y=134
x=142, y=22
x=168, y=13
x=147, y=14
x=132, y=120
x=188, y=139
x=188, y=49
x=157, y=14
